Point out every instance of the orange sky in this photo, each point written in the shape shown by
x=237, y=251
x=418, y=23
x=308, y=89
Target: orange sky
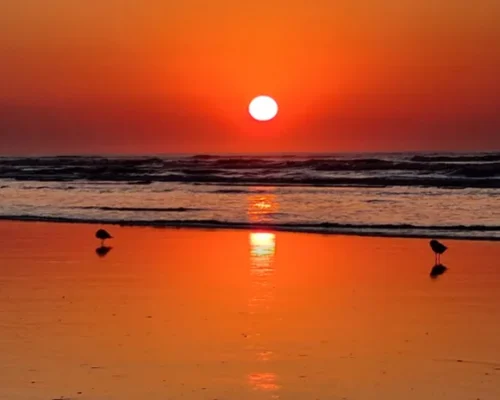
x=164, y=76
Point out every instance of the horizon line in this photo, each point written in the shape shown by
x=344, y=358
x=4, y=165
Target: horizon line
x=284, y=153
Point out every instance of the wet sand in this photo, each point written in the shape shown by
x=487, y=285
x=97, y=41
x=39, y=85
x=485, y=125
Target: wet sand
x=199, y=314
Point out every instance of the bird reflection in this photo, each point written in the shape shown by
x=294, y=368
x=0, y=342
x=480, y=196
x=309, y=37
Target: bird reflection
x=437, y=270
x=103, y=251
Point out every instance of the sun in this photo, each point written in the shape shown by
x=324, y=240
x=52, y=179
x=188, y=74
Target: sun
x=263, y=108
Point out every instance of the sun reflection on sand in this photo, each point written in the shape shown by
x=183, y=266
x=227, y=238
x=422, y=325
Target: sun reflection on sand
x=265, y=381
x=262, y=250
x=265, y=355
x=262, y=253
x=262, y=246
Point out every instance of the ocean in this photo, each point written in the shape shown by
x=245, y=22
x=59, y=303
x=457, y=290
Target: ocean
x=444, y=195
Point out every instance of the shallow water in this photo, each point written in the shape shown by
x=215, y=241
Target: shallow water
x=395, y=211
x=170, y=314
x=400, y=194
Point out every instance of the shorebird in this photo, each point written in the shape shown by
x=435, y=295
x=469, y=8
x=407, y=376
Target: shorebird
x=438, y=249
x=103, y=235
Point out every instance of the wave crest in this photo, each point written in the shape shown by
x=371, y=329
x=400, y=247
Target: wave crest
x=470, y=232
x=455, y=171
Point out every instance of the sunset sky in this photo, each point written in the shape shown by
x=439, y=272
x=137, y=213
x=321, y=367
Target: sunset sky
x=165, y=76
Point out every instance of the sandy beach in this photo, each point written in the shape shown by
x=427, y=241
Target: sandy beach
x=221, y=314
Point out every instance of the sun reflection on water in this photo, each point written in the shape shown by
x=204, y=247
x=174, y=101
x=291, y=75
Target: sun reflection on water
x=262, y=207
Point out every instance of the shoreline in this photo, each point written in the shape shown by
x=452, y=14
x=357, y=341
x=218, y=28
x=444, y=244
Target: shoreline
x=322, y=229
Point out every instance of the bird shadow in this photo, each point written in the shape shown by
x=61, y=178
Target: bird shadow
x=103, y=251
x=438, y=270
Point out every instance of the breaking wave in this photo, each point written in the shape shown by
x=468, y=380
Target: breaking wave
x=140, y=209
x=432, y=170
x=470, y=232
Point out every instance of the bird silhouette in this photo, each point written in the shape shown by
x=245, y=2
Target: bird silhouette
x=438, y=249
x=103, y=235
